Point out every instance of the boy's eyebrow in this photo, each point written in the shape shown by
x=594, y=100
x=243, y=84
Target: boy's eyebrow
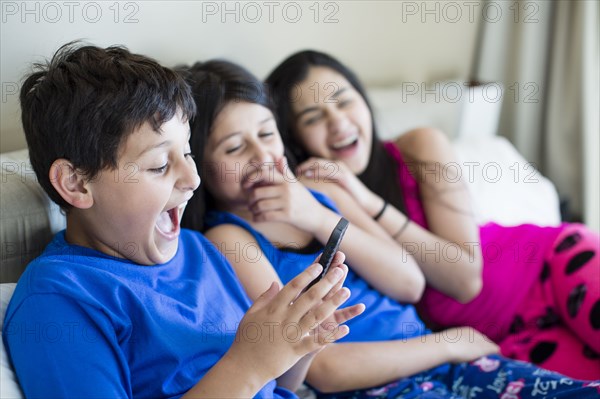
x=155, y=146
x=222, y=139
x=334, y=96
x=162, y=144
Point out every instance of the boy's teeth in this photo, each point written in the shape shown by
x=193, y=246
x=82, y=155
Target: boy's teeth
x=347, y=141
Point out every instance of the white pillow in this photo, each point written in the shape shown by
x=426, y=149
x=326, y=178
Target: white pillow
x=396, y=112
x=505, y=188
x=9, y=387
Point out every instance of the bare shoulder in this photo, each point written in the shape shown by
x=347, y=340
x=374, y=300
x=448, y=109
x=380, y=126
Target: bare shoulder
x=425, y=144
x=256, y=273
x=227, y=233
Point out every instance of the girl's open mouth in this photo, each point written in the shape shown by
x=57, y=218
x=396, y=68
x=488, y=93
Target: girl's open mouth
x=346, y=146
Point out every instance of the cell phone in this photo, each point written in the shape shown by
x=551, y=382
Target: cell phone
x=331, y=248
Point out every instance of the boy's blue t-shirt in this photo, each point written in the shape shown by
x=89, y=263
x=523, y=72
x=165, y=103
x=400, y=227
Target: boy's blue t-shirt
x=85, y=324
x=383, y=319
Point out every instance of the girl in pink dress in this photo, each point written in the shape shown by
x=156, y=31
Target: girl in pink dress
x=534, y=290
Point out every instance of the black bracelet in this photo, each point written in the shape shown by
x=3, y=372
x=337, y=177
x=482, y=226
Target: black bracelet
x=376, y=217
x=404, y=226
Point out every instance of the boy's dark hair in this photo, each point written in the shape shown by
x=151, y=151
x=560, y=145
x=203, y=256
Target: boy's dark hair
x=214, y=84
x=83, y=104
x=381, y=175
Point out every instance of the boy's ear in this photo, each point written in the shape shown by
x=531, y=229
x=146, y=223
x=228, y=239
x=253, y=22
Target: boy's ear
x=70, y=183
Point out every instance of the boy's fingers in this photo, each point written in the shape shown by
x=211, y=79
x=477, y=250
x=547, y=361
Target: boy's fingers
x=314, y=296
x=268, y=295
x=312, y=318
x=348, y=313
x=339, y=258
x=324, y=337
x=292, y=289
x=338, y=261
x=339, y=284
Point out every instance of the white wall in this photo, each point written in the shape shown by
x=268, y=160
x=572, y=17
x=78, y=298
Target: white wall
x=383, y=41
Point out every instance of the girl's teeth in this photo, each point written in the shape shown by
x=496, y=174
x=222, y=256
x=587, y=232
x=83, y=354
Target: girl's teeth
x=344, y=143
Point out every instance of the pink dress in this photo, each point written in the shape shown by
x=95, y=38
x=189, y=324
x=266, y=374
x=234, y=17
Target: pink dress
x=531, y=304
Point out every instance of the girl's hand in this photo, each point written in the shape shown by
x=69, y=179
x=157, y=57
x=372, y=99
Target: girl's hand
x=283, y=326
x=329, y=171
x=280, y=197
x=465, y=344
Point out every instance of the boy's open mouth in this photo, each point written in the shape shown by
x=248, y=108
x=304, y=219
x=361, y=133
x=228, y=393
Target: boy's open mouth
x=168, y=221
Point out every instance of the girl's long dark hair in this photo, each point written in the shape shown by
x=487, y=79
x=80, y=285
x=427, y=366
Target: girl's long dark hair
x=214, y=84
x=380, y=175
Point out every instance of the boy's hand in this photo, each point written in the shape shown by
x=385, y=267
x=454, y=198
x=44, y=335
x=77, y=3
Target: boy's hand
x=341, y=315
x=285, y=326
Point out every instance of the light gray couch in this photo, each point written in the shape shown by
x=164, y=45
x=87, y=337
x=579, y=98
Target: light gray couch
x=28, y=217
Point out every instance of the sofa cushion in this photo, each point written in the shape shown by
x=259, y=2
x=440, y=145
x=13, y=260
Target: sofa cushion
x=9, y=387
x=28, y=218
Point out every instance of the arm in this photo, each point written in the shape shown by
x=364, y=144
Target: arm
x=449, y=255
x=258, y=276
x=341, y=367
x=76, y=347
x=456, y=268
x=270, y=354
x=66, y=348
x=397, y=275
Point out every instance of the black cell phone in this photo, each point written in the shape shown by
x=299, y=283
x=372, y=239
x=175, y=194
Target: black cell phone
x=331, y=248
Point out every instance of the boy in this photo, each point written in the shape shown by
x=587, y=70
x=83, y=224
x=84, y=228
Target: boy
x=124, y=303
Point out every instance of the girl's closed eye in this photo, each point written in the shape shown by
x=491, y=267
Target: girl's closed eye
x=344, y=103
x=265, y=134
x=231, y=145
x=233, y=149
x=312, y=120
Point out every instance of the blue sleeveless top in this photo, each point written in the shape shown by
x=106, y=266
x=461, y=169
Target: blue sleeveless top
x=383, y=319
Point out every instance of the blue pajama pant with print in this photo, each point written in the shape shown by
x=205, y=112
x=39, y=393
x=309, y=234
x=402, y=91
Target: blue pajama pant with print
x=487, y=377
